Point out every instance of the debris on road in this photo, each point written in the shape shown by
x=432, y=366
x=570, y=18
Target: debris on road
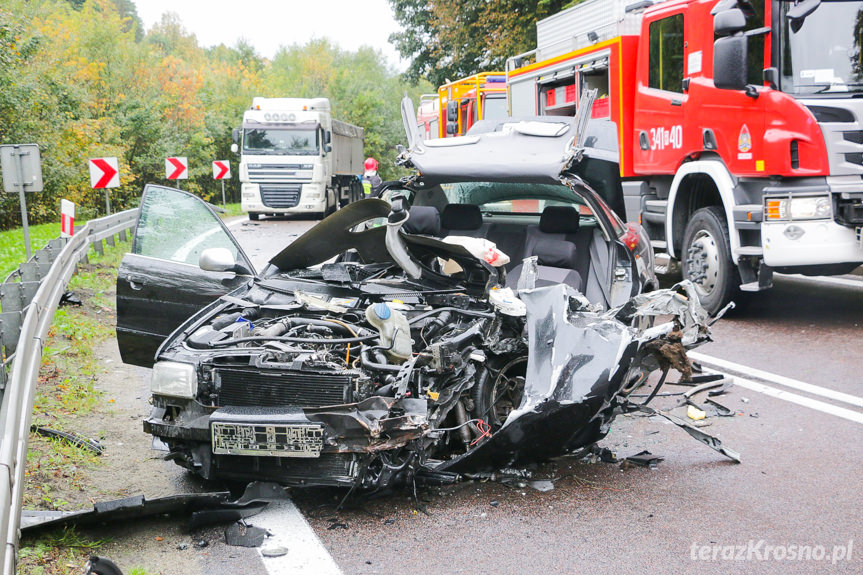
x=541, y=485
x=644, y=459
x=204, y=508
x=242, y=535
x=694, y=413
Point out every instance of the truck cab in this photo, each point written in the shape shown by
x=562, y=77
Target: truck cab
x=739, y=128
x=296, y=159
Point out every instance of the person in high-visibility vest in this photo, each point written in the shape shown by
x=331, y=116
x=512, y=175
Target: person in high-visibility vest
x=371, y=179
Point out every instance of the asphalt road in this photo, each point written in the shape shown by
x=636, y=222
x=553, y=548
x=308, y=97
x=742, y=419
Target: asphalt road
x=796, y=493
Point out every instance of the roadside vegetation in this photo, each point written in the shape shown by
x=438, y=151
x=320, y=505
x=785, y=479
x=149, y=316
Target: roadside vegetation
x=56, y=474
x=83, y=91
x=13, y=251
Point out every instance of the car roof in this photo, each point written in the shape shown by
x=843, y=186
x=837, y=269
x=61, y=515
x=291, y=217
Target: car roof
x=528, y=149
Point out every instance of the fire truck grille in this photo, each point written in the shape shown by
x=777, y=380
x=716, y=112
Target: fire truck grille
x=280, y=196
x=273, y=388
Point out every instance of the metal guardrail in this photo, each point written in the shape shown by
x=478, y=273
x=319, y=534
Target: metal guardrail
x=29, y=297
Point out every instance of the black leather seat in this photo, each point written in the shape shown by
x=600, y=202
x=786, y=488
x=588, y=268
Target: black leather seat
x=557, y=263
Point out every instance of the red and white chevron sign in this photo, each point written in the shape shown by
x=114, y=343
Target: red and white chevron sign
x=221, y=170
x=104, y=173
x=177, y=168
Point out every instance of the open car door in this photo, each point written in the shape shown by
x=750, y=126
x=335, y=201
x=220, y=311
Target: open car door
x=160, y=283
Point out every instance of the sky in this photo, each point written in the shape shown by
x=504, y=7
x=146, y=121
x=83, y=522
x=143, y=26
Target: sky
x=268, y=24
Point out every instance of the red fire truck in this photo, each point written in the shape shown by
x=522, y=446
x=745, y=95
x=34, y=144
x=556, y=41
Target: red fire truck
x=739, y=127
x=464, y=102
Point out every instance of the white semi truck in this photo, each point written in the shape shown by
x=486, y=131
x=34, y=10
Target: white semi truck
x=296, y=159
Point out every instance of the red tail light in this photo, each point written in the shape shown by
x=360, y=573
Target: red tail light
x=631, y=238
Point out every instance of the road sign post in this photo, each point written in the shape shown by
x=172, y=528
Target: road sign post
x=177, y=168
x=222, y=171
x=22, y=172
x=105, y=173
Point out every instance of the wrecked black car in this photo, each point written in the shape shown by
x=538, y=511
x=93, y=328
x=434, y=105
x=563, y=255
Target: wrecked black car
x=489, y=311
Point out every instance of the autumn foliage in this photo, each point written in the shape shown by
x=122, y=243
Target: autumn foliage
x=81, y=91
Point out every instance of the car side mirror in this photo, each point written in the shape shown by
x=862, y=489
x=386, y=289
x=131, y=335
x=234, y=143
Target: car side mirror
x=235, y=148
x=235, y=136
x=220, y=260
x=328, y=148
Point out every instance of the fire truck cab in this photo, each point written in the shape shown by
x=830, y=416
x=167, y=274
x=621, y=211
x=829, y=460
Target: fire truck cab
x=464, y=102
x=739, y=123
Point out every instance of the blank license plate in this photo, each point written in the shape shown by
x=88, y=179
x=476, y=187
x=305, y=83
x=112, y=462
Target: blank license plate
x=267, y=440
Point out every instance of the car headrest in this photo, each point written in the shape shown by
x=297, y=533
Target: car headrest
x=423, y=220
x=559, y=220
x=461, y=217
x=555, y=253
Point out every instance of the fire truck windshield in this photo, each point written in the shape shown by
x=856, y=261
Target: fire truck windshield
x=822, y=53
x=299, y=142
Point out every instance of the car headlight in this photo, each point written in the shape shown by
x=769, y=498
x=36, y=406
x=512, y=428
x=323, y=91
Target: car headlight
x=174, y=379
x=806, y=208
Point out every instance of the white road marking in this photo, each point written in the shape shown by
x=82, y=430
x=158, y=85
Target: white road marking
x=826, y=279
x=306, y=553
x=777, y=379
x=798, y=399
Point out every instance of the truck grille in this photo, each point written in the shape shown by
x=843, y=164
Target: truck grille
x=281, y=196
x=245, y=387
x=259, y=173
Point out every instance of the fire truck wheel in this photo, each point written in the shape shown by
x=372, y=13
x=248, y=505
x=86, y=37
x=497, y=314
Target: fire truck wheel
x=706, y=258
x=254, y=216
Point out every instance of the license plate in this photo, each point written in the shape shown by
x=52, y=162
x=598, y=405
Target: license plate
x=267, y=440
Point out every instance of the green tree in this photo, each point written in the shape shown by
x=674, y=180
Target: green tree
x=450, y=40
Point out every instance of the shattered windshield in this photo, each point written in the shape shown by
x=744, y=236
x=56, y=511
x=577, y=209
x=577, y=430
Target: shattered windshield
x=299, y=141
x=825, y=53
x=511, y=197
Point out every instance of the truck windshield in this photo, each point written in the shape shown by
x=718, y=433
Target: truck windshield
x=825, y=54
x=300, y=142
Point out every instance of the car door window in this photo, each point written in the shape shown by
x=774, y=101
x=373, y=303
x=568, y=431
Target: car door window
x=177, y=226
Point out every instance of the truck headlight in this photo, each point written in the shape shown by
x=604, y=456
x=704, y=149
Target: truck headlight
x=806, y=208
x=174, y=379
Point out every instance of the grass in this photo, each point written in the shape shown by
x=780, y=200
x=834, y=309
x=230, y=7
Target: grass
x=66, y=390
x=230, y=210
x=63, y=550
x=13, y=251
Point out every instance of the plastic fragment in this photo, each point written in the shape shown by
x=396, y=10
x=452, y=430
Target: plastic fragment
x=694, y=413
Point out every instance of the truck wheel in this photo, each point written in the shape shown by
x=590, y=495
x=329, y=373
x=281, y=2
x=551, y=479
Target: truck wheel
x=326, y=211
x=254, y=216
x=707, y=258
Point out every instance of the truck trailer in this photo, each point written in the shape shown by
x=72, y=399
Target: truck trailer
x=739, y=127
x=296, y=158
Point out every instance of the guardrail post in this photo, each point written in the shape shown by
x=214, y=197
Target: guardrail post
x=100, y=249
x=10, y=331
x=110, y=240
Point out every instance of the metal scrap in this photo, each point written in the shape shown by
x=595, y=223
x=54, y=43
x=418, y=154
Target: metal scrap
x=71, y=438
x=242, y=535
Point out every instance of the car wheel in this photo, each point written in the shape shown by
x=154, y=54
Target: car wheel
x=501, y=392
x=254, y=216
x=706, y=260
